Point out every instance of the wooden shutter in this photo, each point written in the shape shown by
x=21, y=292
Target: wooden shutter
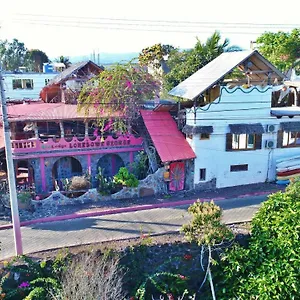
x=258, y=139
x=279, y=138
x=228, y=141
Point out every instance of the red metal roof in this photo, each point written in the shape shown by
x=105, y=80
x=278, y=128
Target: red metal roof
x=169, y=142
x=40, y=111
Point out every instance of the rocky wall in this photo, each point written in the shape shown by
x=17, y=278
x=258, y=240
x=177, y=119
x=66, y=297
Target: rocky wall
x=153, y=184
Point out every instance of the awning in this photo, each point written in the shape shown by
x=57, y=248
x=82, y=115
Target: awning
x=290, y=126
x=167, y=139
x=188, y=129
x=246, y=128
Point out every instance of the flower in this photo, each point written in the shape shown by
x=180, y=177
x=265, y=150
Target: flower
x=170, y=297
x=132, y=298
x=24, y=284
x=128, y=84
x=187, y=256
x=182, y=277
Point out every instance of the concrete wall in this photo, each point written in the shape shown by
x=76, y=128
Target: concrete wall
x=236, y=106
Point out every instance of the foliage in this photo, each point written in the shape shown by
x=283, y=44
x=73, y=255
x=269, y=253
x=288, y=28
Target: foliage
x=156, y=57
x=24, y=199
x=140, y=166
x=280, y=48
x=164, y=283
x=269, y=267
x=106, y=186
x=116, y=94
x=35, y=59
x=205, y=227
x=65, y=60
x=92, y=277
x=125, y=178
x=207, y=231
x=184, y=64
x=12, y=54
x=23, y=278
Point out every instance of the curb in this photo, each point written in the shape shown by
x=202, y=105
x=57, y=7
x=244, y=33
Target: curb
x=124, y=210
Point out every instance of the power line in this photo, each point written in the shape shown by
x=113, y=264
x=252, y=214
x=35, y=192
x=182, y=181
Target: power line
x=176, y=22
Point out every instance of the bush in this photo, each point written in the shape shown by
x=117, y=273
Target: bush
x=92, y=277
x=24, y=278
x=269, y=268
x=125, y=178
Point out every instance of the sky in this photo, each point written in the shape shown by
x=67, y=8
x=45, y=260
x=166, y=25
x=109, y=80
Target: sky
x=77, y=28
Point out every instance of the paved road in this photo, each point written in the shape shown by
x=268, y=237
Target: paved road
x=111, y=227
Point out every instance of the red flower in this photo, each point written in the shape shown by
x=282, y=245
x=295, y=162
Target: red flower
x=182, y=277
x=128, y=84
x=132, y=298
x=170, y=297
x=187, y=256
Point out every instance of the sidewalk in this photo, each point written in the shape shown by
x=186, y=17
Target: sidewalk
x=110, y=207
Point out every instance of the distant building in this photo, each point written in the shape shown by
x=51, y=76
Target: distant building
x=21, y=85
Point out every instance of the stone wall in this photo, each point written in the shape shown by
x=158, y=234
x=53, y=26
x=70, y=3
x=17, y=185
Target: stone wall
x=57, y=198
x=153, y=184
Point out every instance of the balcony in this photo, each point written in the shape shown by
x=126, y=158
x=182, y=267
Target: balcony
x=98, y=143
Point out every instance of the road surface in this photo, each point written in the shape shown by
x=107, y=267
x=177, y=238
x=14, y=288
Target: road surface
x=68, y=233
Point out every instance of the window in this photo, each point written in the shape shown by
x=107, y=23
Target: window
x=189, y=136
x=235, y=142
x=290, y=139
x=47, y=81
x=238, y=168
x=204, y=136
x=202, y=176
x=24, y=84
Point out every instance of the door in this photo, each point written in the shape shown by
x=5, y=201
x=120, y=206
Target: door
x=176, y=176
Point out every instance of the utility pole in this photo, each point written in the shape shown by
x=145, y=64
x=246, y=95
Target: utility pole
x=11, y=172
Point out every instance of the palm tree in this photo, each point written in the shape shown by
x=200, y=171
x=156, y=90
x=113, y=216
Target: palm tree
x=65, y=60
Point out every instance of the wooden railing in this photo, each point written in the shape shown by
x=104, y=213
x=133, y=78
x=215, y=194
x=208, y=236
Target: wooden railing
x=75, y=143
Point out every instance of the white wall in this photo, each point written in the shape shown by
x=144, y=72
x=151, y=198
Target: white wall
x=20, y=94
x=236, y=106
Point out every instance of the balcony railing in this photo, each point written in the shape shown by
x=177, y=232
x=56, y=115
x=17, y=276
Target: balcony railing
x=75, y=143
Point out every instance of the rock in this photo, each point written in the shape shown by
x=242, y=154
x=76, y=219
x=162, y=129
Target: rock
x=144, y=192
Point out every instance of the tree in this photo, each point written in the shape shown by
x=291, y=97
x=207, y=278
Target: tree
x=207, y=231
x=189, y=61
x=12, y=54
x=269, y=267
x=155, y=56
x=280, y=48
x=116, y=94
x=65, y=60
x=35, y=59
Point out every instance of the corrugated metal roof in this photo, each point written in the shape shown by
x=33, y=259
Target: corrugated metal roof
x=46, y=112
x=169, y=142
x=64, y=75
x=214, y=71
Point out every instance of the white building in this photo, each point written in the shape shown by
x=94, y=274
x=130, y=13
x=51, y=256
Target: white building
x=25, y=85
x=235, y=132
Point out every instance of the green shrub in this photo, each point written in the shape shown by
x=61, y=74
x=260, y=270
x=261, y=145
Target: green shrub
x=24, y=278
x=270, y=267
x=125, y=178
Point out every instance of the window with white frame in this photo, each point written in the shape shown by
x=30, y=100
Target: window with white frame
x=290, y=139
x=24, y=84
x=240, y=142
